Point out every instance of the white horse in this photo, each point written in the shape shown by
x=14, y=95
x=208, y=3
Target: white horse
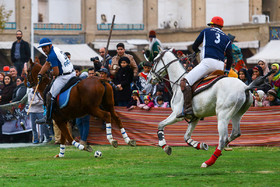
x=228, y=99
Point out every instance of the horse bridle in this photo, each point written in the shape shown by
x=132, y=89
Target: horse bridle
x=164, y=68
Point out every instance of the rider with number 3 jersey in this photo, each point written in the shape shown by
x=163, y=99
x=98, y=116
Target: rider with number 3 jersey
x=216, y=45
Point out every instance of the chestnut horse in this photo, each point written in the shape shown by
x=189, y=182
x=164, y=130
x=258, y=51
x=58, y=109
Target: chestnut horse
x=86, y=97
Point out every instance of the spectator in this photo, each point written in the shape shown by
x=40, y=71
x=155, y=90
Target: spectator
x=159, y=103
x=36, y=111
x=272, y=98
x=257, y=71
x=237, y=56
x=83, y=126
x=135, y=100
x=144, y=86
x=7, y=91
x=20, y=90
x=148, y=103
x=183, y=59
x=91, y=72
x=123, y=79
x=115, y=61
x=2, y=75
x=108, y=59
x=264, y=66
x=68, y=55
x=78, y=70
x=260, y=99
x=190, y=67
x=154, y=45
x=244, y=76
x=274, y=78
x=13, y=73
x=20, y=52
x=104, y=74
x=96, y=63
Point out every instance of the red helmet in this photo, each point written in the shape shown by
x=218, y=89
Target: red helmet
x=216, y=21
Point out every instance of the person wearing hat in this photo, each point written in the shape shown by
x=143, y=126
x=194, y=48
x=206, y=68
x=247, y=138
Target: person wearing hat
x=272, y=98
x=274, y=78
x=114, y=67
x=154, y=45
x=61, y=68
x=123, y=79
x=20, y=52
x=258, y=72
x=216, y=46
x=237, y=56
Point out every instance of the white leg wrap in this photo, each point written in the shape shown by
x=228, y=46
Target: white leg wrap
x=62, y=151
x=109, y=132
x=193, y=143
x=162, y=143
x=76, y=144
x=125, y=137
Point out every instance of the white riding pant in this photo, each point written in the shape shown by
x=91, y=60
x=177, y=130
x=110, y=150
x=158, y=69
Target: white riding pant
x=60, y=82
x=205, y=67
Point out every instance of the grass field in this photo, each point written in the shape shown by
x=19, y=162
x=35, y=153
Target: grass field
x=139, y=166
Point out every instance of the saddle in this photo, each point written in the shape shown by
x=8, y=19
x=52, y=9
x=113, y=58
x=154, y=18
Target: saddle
x=206, y=82
x=63, y=96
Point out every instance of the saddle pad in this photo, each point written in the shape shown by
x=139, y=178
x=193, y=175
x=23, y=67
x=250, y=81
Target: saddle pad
x=63, y=98
x=205, y=84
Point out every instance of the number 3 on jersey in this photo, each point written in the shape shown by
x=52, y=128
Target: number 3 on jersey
x=218, y=36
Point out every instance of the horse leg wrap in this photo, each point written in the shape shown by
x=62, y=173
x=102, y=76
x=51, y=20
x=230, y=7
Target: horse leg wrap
x=214, y=157
x=194, y=144
x=109, y=132
x=62, y=151
x=79, y=146
x=161, y=138
x=125, y=137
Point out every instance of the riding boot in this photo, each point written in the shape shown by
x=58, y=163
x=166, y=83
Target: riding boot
x=47, y=119
x=187, y=92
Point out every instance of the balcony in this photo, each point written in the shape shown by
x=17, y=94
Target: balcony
x=120, y=26
x=57, y=26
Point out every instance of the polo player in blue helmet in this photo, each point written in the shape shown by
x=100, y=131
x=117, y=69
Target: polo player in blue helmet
x=62, y=70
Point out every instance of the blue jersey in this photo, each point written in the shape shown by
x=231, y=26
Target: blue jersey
x=58, y=59
x=216, y=45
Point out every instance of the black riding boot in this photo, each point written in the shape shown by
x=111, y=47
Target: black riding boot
x=47, y=119
x=187, y=92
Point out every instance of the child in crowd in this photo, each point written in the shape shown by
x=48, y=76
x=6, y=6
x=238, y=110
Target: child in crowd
x=272, y=98
x=145, y=87
x=135, y=100
x=123, y=79
x=260, y=99
x=159, y=103
x=148, y=103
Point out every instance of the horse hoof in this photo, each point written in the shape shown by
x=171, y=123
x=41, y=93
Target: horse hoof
x=114, y=143
x=204, y=165
x=167, y=149
x=132, y=143
x=88, y=148
x=204, y=146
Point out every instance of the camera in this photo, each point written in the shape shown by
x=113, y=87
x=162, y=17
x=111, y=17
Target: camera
x=94, y=59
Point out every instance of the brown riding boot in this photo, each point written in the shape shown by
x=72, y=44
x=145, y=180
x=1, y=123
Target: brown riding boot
x=187, y=92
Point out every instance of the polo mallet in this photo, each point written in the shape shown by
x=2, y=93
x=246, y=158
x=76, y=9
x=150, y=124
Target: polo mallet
x=32, y=99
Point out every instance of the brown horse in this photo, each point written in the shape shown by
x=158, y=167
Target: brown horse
x=85, y=98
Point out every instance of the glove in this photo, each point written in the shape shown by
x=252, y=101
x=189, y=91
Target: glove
x=39, y=77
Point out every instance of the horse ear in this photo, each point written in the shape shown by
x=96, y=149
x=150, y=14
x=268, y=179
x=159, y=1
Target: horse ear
x=30, y=63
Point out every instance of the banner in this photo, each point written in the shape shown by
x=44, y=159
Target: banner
x=260, y=126
x=15, y=117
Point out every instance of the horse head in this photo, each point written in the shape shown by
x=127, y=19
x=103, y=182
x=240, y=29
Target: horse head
x=160, y=65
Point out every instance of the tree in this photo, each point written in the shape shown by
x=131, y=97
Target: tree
x=4, y=16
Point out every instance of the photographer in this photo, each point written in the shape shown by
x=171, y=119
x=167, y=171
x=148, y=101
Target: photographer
x=97, y=64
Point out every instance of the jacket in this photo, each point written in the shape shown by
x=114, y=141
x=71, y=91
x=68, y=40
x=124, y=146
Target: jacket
x=24, y=51
x=115, y=64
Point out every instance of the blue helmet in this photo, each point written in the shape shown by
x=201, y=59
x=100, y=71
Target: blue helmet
x=104, y=70
x=44, y=42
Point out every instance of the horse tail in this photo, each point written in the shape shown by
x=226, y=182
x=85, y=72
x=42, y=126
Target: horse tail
x=258, y=81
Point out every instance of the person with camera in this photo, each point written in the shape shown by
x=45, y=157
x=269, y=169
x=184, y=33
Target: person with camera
x=97, y=64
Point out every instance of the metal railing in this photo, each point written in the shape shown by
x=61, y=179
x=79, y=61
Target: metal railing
x=120, y=26
x=57, y=26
